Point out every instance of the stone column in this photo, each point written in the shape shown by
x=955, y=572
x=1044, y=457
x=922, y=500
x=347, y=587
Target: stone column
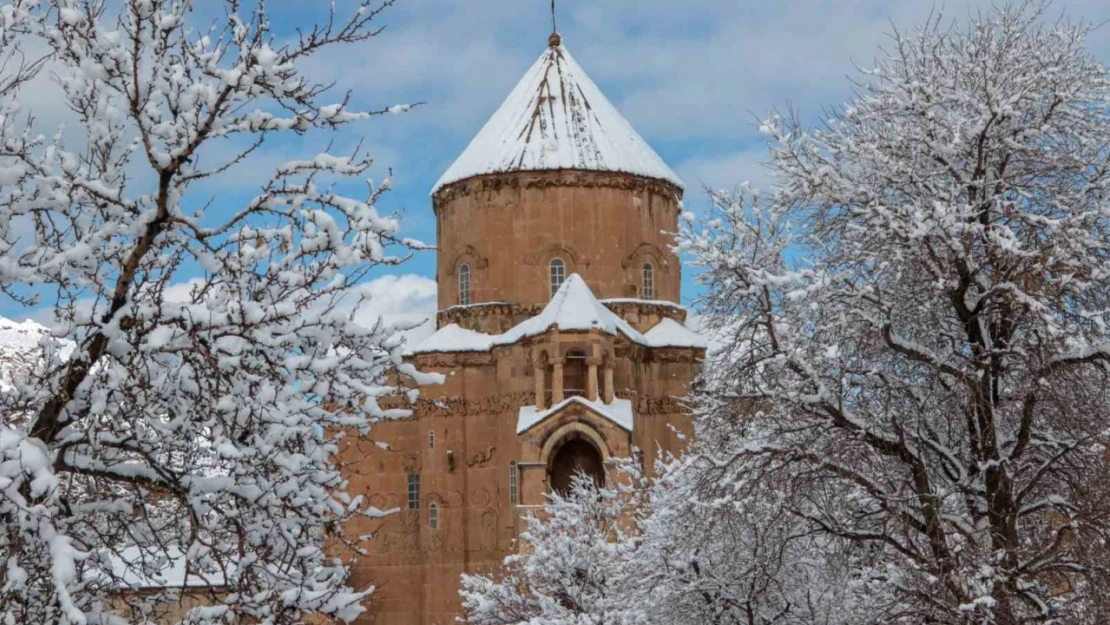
x=591, y=380
x=540, y=368
x=610, y=392
x=556, y=381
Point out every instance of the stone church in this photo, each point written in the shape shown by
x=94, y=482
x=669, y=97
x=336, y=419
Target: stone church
x=559, y=332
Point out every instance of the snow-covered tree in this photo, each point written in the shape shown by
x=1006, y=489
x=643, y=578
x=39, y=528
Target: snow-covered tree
x=575, y=563
x=918, y=325
x=728, y=552
x=683, y=550
x=214, y=358
x=17, y=66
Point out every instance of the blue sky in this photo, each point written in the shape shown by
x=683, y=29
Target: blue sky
x=692, y=77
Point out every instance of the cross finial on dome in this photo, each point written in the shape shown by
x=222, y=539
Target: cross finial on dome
x=555, y=39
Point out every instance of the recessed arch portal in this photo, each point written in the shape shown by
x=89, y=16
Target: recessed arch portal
x=574, y=447
x=575, y=455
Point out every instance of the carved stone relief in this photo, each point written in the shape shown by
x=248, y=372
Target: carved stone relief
x=479, y=498
x=481, y=458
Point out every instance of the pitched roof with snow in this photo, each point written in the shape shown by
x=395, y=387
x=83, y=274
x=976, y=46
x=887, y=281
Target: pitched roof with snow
x=619, y=412
x=574, y=307
x=557, y=118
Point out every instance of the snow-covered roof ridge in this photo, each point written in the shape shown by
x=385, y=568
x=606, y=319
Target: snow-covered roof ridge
x=619, y=412
x=454, y=338
x=557, y=118
x=670, y=333
x=573, y=308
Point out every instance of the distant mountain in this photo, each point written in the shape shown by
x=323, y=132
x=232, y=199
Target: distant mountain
x=21, y=346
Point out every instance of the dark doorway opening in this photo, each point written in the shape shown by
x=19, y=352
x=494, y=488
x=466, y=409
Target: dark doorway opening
x=575, y=455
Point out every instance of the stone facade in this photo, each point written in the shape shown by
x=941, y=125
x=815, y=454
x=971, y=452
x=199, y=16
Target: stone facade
x=517, y=408
x=605, y=226
x=462, y=440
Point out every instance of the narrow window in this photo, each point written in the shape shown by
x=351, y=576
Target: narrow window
x=512, y=483
x=558, y=274
x=433, y=516
x=414, y=491
x=431, y=439
x=464, y=285
x=649, y=282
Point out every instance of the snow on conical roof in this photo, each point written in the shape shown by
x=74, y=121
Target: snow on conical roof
x=557, y=118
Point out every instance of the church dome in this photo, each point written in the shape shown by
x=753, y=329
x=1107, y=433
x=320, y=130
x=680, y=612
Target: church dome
x=556, y=118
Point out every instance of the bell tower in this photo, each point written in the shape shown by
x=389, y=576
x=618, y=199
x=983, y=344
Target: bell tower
x=559, y=336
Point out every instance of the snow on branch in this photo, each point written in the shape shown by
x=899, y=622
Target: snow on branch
x=916, y=322
x=214, y=360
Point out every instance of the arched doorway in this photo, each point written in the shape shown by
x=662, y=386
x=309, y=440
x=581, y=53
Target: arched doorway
x=576, y=454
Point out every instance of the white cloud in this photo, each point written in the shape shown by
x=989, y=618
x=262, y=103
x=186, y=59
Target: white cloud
x=406, y=300
x=403, y=300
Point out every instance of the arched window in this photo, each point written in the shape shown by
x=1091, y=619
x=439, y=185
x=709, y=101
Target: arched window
x=433, y=516
x=558, y=274
x=649, y=281
x=431, y=439
x=513, y=484
x=464, y=285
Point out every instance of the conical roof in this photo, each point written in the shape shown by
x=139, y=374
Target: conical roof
x=557, y=118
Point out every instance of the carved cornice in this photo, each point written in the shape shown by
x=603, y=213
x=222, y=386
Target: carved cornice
x=553, y=178
x=624, y=308
x=467, y=316
x=451, y=360
x=653, y=406
x=511, y=402
x=464, y=407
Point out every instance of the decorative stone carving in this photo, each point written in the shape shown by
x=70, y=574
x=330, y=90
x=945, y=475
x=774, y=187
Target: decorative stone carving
x=481, y=458
x=472, y=316
x=651, y=406
x=479, y=498
x=588, y=179
x=489, y=530
x=433, y=542
x=660, y=308
x=494, y=404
